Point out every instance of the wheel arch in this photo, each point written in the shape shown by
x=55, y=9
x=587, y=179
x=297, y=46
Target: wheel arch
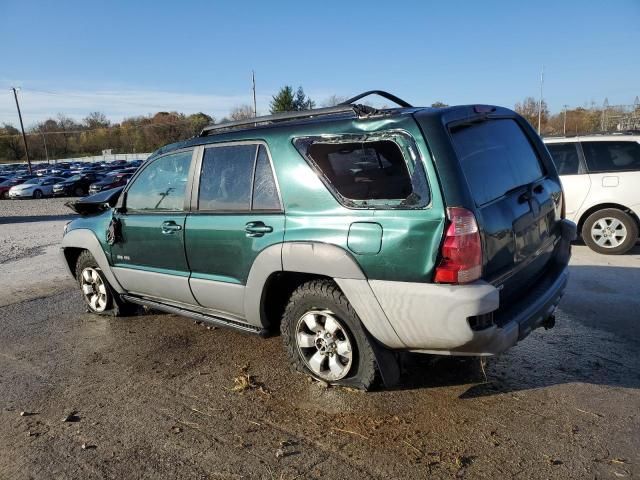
x=602, y=206
x=75, y=241
x=280, y=269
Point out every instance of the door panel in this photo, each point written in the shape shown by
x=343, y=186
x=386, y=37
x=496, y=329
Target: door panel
x=221, y=251
x=576, y=190
x=150, y=258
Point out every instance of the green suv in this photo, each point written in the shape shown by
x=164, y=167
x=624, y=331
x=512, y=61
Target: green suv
x=356, y=232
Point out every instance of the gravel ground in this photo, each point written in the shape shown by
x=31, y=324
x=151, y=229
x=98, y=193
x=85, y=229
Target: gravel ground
x=30, y=232
x=154, y=396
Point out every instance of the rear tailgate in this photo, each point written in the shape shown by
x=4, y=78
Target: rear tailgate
x=517, y=199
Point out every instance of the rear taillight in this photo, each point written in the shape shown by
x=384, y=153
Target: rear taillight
x=461, y=250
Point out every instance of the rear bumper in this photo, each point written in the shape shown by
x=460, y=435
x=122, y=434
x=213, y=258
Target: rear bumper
x=435, y=318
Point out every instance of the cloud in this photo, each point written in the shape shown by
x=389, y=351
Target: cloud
x=38, y=105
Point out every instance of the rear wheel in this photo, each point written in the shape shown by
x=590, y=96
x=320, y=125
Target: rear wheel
x=324, y=338
x=37, y=194
x=98, y=295
x=610, y=231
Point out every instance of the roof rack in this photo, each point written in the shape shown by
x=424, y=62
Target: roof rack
x=345, y=108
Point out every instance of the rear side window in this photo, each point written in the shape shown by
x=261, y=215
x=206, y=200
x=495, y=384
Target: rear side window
x=265, y=192
x=225, y=178
x=565, y=157
x=378, y=170
x=611, y=156
x=496, y=157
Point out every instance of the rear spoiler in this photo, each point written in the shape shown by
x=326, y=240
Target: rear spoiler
x=96, y=203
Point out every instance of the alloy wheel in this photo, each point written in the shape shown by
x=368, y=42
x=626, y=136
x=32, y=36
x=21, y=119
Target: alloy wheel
x=94, y=289
x=323, y=343
x=608, y=232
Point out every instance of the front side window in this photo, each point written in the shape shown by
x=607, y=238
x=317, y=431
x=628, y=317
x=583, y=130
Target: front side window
x=616, y=156
x=161, y=185
x=377, y=170
x=565, y=157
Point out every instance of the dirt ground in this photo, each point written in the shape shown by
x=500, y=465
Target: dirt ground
x=157, y=396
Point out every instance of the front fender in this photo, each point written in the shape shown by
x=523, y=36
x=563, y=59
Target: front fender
x=86, y=239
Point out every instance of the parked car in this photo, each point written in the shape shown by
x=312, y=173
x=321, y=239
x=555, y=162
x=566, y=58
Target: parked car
x=6, y=186
x=600, y=175
x=37, y=187
x=354, y=231
x=110, y=181
x=77, y=185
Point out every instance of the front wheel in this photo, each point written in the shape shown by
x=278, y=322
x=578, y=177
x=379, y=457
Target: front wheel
x=98, y=295
x=37, y=194
x=324, y=338
x=79, y=191
x=610, y=231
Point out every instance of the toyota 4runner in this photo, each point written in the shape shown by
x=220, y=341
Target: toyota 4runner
x=355, y=231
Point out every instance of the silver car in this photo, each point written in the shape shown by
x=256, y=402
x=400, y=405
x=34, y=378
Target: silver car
x=35, y=188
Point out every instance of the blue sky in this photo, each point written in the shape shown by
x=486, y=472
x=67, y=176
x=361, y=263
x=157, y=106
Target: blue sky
x=137, y=57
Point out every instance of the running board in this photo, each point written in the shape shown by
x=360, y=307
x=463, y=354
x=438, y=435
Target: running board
x=201, y=317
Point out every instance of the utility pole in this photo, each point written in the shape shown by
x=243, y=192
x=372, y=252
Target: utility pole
x=24, y=137
x=253, y=81
x=564, y=124
x=540, y=101
x=44, y=140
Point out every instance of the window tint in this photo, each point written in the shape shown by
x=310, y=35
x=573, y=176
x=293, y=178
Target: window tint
x=265, y=193
x=496, y=157
x=373, y=170
x=225, y=179
x=612, y=156
x=565, y=157
x=161, y=185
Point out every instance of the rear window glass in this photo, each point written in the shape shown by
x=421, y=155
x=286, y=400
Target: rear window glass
x=565, y=157
x=370, y=171
x=496, y=157
x=612, y=156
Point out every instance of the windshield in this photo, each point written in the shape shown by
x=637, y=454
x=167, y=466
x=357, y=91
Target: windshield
x=75, y=178
x=33, y=181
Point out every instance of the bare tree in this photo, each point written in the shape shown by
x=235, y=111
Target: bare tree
x=241, y=112
x=334, y=100
x=529, y=110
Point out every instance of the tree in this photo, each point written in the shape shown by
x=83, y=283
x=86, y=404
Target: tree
x=283, y=101
x=334, y=100
x=242, y=112
x=286, y=101
x=529, y=110
x=439, y=104
x=96, y=120
x=302, y=102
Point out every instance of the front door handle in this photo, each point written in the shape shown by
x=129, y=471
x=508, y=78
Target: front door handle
x=170, y=227
x=257, y=229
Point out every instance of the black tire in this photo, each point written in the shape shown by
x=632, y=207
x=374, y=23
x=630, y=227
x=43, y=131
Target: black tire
x=37, y=194
x=79, y=192
x=325, y=296
x=113, y=304
x=608, y=246
x=5, y=195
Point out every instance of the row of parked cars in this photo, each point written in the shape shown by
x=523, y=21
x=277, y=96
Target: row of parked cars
x=65, y=179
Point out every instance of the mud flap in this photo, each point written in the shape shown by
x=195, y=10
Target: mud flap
x=387, y=362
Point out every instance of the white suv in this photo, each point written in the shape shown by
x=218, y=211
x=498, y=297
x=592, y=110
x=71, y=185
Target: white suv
x=600, y=175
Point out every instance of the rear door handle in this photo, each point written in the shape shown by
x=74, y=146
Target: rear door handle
x=257, y=229
x=170, y=227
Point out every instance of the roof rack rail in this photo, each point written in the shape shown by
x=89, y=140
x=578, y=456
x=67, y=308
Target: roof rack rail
x=347, y=107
